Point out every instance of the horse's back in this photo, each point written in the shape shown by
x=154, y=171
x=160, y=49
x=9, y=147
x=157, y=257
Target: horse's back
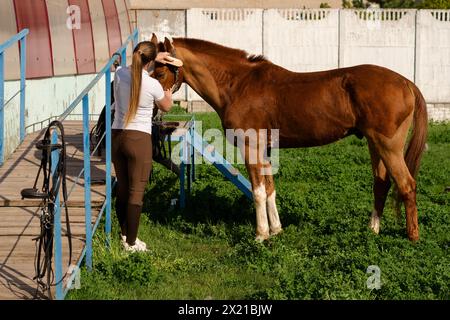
x=318, y=108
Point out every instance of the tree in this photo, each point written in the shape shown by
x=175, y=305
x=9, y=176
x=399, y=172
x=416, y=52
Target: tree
x=420, y=4
x=434, y=4
x=354, y=4
x=398, y=4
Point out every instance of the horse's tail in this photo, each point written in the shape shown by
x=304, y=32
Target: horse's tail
x=418, y=140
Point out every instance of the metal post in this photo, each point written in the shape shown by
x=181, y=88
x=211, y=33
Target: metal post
x=57, y=222
x=123, y=60
x=87, y=182
x=192, y=147
x=2, y=107
x=135, y=39
x=108, y=157
x=23, y=66
x=182, y=174
x=190, y=156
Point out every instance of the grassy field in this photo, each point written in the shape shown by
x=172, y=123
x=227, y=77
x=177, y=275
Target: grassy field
x=208, y=250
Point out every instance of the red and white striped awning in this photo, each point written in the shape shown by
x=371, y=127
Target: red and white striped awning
x=54, y=48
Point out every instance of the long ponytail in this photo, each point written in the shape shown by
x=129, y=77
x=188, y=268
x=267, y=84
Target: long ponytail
x=144, y=53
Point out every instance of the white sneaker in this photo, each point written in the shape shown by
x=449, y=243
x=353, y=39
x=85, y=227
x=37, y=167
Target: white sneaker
x=134, y=248
x=138, y=245
x=142, y=244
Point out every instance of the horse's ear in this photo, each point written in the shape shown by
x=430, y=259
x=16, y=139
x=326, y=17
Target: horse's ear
x=161, y=47
x=154, y=39
x=168, y=45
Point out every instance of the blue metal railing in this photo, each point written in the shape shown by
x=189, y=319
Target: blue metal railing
x=21, y=38
x=84, y=99
x=186, y=153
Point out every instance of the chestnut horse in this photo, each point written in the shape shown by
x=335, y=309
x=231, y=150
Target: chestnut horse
x=309, y=109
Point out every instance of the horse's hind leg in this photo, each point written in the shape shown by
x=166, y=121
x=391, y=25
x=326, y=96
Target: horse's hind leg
x=391, y=152
x=381, y=186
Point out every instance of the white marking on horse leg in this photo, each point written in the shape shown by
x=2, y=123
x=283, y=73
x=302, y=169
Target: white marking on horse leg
x=375, y=222
x=262, y=224
x=272, y=212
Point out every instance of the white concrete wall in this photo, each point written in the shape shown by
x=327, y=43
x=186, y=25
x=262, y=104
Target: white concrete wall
x=381, y=37
x=439, y=112
x=262, y=4
x=235, y=28
x=302, y=40
x=433, y=54
x=163, y=23
x=46, y=98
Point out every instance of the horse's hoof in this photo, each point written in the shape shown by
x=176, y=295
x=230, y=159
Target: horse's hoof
x=276, y=231
x=413, y=235
x=375, y=223
x=261, y=238
x=375, y=229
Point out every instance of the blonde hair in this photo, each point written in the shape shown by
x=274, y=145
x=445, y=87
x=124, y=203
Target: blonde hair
x=144, y=53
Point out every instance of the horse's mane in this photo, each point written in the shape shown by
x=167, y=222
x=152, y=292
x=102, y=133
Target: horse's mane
x=216, y=49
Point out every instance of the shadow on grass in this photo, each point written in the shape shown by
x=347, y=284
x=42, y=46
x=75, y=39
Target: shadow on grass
x=207, y=204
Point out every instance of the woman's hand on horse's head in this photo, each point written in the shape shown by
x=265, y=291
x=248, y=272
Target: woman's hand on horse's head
x=163, y=57
x=168, y=93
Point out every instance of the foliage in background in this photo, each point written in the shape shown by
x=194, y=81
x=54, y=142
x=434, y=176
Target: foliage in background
x=207, y=251
x=423, y=4
x=434, y=4
x=398, y=4
x=347, y=4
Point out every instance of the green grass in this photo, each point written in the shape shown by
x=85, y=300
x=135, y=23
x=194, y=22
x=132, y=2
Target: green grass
x=324, y=198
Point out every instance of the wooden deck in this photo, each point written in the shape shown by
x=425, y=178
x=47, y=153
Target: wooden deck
x=19, y=219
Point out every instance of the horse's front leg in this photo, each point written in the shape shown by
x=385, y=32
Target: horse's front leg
x=272, y=211
x=260, y=200
x=258, y=182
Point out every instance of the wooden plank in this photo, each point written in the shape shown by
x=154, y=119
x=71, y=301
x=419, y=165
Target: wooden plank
x=30, y=203
x=77, y=229
x=27, y=212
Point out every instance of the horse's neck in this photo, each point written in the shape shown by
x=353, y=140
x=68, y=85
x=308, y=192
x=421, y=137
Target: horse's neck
x=210, y=78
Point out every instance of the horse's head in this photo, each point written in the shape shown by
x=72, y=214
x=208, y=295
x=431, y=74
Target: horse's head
x=167, y=74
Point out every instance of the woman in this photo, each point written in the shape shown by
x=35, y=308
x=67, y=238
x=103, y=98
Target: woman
x=135, y=94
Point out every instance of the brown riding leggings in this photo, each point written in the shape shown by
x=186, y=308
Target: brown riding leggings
x=132, y=159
